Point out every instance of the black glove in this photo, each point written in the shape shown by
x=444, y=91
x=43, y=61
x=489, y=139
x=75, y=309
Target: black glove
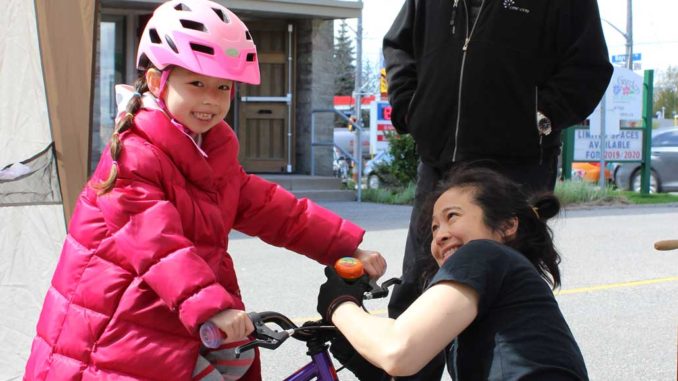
x=343, y=351
x=337, y=290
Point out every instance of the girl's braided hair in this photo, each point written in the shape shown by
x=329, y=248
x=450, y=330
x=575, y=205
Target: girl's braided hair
x=124, y=123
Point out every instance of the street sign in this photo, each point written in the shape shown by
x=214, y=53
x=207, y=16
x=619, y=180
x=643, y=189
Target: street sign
x=621, y=58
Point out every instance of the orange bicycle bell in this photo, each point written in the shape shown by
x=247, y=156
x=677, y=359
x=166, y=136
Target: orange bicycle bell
x=349, y=268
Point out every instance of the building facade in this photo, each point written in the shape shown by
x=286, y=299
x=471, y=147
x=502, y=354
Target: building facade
x=273, y=121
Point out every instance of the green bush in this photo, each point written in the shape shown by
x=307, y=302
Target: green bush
x=403, y=169
x=395, y=195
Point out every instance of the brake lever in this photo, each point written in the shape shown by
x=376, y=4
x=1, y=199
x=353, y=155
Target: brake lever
x=378, y=291
x=265, y=336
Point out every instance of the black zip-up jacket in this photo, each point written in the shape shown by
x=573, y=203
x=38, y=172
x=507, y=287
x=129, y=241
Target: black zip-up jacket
x=470, y=91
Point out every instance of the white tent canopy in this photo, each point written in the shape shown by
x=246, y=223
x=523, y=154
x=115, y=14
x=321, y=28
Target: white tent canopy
x=32, y=119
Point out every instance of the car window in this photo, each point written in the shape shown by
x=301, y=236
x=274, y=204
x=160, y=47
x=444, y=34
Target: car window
x=667, y=139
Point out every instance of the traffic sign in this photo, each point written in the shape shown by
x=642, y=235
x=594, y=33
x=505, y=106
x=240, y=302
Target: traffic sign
x=619, y=58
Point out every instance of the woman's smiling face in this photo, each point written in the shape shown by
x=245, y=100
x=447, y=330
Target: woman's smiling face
x=457, y=219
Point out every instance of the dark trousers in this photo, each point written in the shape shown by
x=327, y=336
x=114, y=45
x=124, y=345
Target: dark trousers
x=533, y=177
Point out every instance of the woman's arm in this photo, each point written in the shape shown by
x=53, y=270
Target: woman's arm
x=403, y=346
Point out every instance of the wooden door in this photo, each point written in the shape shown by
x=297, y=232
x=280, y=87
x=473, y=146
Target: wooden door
x=263, y=110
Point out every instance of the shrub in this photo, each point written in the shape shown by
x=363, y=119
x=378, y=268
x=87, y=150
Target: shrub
x=403, y=168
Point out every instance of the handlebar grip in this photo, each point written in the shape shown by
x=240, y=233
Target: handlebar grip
x=670, y=244
x=210, y=335
x=349, y=268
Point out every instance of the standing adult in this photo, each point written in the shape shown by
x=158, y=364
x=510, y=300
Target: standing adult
x=489, y=80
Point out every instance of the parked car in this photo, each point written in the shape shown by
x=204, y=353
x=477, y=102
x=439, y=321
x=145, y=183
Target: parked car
x=664, y=165
x=589, y=171
x=374, y=176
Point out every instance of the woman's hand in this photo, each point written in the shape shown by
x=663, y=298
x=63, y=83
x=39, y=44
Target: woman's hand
x=234, y=323
x=373, y=262
x=337, y=290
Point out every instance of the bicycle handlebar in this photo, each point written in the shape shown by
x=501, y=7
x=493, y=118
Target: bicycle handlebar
x=671, y=244
x=266, y=337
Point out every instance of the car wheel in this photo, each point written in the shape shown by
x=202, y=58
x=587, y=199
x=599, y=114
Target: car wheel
x=655, y=185
x=373, y=181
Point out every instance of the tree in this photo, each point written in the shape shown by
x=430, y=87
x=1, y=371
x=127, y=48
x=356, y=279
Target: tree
x=344, y=55
x=666, y=92
x=370, y=78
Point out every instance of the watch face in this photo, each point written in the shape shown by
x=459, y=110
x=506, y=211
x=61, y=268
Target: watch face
x=544, y=125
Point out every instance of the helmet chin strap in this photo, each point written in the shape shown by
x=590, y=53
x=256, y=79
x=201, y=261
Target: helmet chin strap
x=195, y=139
x=164, y=76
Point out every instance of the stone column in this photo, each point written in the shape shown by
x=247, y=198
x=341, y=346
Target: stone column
x=314, y=90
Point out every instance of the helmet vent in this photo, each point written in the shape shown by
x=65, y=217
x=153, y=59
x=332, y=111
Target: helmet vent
x=171, y=44
x=248, y=36
x=221, y=15
x=153, y=34
x=251, y=57
x=202, y=49
x=182, y=7
x=190, y=24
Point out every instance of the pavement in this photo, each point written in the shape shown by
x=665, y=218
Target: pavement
x=616, y=291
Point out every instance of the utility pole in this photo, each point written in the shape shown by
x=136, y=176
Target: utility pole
x=628, y=36
x=358, y=147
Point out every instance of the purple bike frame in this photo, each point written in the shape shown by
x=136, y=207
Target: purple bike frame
x=321, y=367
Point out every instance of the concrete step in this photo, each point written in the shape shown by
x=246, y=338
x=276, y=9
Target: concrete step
x=326, y=195
x=316, y=188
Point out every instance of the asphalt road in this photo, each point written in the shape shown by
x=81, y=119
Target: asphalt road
x=619, y=295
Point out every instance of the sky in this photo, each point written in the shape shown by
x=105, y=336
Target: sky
x=655, y=29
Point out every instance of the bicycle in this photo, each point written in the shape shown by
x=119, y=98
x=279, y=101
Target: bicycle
x=316, y=334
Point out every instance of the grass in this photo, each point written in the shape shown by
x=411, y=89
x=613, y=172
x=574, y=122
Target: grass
x=581, y=192
x=655, y=198
x=570, y=193
x=397, y=196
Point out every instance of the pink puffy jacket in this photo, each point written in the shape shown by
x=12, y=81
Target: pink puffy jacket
x=144, y=265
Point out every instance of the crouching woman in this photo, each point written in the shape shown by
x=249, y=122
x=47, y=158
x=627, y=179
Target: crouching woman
x=489, y=303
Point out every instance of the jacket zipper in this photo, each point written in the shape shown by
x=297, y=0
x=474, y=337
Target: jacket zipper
x=541, y=136
x=454, y=16
x=461, y=72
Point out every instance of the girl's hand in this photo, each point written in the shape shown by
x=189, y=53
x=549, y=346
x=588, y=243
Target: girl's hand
x=234, y=323
x=373, y=263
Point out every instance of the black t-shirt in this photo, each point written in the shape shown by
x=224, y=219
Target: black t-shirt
x=519, y=333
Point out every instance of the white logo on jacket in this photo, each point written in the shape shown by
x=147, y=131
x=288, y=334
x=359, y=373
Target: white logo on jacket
x=511, y=5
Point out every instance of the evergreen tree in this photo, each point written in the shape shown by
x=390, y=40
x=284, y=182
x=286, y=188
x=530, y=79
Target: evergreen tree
x=666, y=92
x=344, y=55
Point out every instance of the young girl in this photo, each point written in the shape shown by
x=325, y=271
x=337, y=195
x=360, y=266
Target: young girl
x=491, y=292
x=144, y=264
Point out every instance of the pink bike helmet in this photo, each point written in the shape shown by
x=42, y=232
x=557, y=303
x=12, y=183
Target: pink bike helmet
x=201, y=36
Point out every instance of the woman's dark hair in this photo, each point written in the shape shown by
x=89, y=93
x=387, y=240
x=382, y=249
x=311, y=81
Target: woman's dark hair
x=124, y=123
x=501, y=200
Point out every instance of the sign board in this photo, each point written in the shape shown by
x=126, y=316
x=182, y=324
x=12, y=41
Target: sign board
x=625, y=94
x=626, y=145
x=623, y=101
x=380, y=126
x=383, y=84
x=621, y=58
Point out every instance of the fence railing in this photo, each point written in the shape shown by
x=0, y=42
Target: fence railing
x=358, y=146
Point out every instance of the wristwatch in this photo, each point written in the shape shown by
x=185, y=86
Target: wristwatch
x=543, y=124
